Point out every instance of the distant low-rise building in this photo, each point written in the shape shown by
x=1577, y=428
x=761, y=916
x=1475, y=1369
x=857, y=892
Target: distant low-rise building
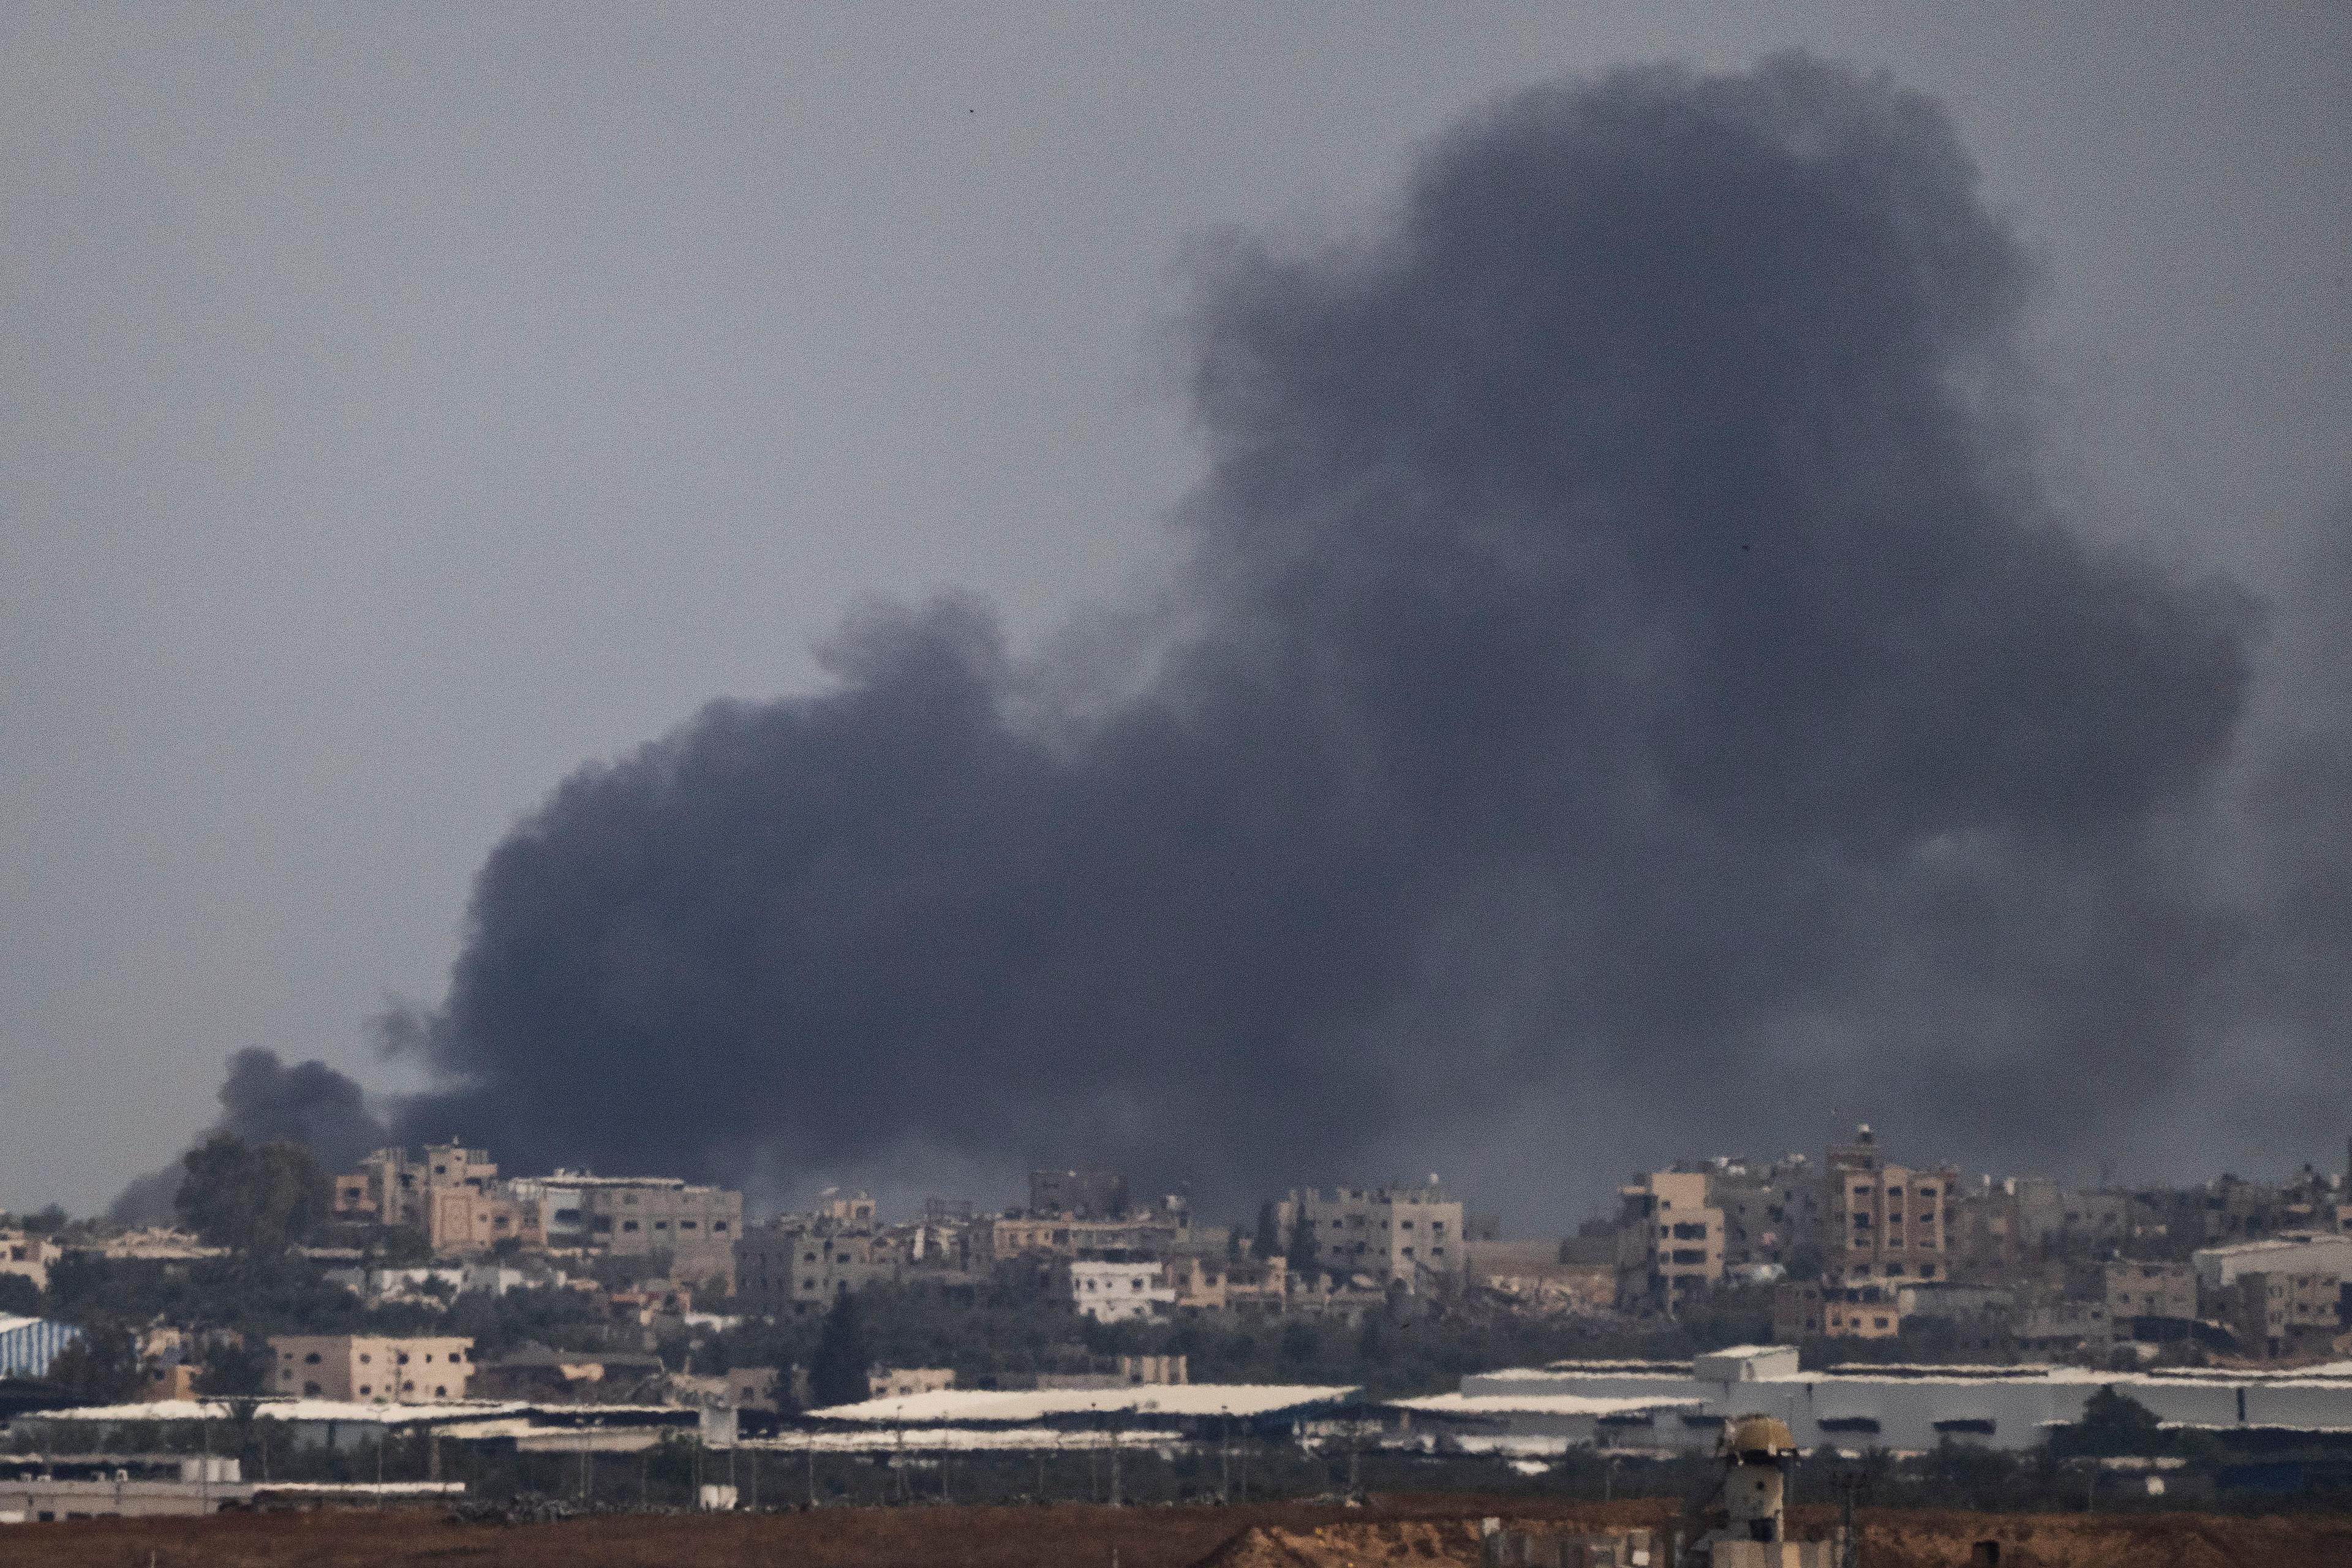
x=893, y=1382
x=28, y=1256
x=152, y=1244
x=369, y=1368
x=1119, y=1292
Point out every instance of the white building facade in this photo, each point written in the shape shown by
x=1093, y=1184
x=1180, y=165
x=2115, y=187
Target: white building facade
x=1120, y=1292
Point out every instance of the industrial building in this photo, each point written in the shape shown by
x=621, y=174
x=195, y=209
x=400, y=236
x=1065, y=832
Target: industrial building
x=1683, y=1404
x=27, y=1345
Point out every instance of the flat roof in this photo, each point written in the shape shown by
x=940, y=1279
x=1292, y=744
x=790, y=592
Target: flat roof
x=959, y=1406
x=1535, y=1403
x=440, y=1411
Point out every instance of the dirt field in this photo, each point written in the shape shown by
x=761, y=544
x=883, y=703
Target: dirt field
x=1404, y=1532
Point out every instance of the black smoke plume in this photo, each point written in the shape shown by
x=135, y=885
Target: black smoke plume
x=1627, y=660
x=263, y=1099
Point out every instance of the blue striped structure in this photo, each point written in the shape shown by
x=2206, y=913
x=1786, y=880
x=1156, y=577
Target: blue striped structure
x=27, y=1345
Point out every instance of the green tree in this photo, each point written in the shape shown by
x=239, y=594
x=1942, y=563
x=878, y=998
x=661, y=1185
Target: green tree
x=1269, y=1231
x=19, y=1296
x=44, y=1222
x=837, y=1370
x=101, y=1367
x=2113, y=1424
x=252, y=1198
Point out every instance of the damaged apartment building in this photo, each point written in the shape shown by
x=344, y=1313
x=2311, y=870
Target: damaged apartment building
x=455, y=1197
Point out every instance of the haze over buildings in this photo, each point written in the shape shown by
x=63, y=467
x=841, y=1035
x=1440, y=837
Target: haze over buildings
x=1645, y=635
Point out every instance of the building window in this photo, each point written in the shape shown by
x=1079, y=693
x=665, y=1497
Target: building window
x=310, y=1360
x=310, y=1389
x=628, y=1225
x=365, y=1390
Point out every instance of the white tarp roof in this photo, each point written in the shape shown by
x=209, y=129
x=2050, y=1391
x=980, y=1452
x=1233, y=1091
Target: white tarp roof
x=965, y=1439
x=1535, y=1403
x=449, y=1411
x=955, y=1406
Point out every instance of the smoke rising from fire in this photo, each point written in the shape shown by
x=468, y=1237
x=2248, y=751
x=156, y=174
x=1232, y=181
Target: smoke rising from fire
x=1623, y=640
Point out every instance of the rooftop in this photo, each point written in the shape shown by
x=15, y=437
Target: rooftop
x=955, y=1407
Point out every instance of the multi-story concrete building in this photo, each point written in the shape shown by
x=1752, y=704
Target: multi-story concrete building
x=1771, y=1211
x=1119, y=1292
x=373, y=1369
x=2134, y=1289
x=1157, y=1231
x=1670, y=1240
x=28, y=1256
x=1409, y=1235
x=638, y=1217
x=2280, y=1314
x=797, y=1264
x=1885, y=1222
x=2217, y=1267
x=461, y=1220
x=392, y=1185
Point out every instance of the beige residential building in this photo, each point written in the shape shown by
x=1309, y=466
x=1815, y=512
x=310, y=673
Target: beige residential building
x=1846, y=1317
x=28, y=1256
x=1884, y=1221
x=391, y=1185
x=1670, y=1240
x=1802, y=1309
x=639, y=1216
x=898, y=1382
x=795, y=1266
x=2135, y=1290
x=2281, y=1314
x=1409, y=1235
x=459, y=1220
x=373, y=1369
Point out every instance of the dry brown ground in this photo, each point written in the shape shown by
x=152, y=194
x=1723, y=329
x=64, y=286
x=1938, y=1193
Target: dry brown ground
x=1421, y=1533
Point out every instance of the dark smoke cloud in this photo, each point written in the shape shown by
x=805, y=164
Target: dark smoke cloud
x=1626, y=650
x=262, y=1101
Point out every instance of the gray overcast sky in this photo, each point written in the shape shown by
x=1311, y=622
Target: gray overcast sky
x=401, y=405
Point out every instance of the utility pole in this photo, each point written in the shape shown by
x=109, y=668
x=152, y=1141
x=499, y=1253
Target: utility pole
x=812, y=1469
x=1114, y=1467
x=1849, y=1482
